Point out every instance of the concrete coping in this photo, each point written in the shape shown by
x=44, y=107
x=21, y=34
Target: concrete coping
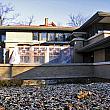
x=1, y=65
x=53, y=65
x=45, y=65
x=77, y=39
x=102, y=63
x=98, y=34
x=64, y=77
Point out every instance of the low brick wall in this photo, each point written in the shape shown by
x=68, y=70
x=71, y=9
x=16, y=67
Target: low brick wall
x=5, y=70
x=53, y=71
x=102, y=70
x=46, y=71
x=31, y=71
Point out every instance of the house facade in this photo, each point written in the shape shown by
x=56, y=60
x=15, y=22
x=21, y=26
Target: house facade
x=92, y=40
x=49, y=43
x=46, y=43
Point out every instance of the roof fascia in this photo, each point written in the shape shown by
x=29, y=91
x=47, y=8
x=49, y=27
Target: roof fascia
x=94, y=19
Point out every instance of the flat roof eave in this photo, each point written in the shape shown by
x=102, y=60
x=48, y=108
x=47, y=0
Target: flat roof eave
x=94, y=46
x=36, y=28
x=95, y=18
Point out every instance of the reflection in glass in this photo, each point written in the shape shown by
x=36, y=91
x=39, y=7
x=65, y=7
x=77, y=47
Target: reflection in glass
x=43, y=36
x=35, y=36
x=51, y=36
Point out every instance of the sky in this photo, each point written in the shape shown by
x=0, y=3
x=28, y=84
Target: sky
x=57, y=11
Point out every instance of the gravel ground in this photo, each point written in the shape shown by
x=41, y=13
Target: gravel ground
x=94, y=96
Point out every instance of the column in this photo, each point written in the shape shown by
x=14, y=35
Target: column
x=47, y=55
x=78, y=44
x=31, y=54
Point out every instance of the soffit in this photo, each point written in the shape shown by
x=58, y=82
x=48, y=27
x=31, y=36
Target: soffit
x=105, y=20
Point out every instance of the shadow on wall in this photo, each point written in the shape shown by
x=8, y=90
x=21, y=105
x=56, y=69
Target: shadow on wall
x=47, y=71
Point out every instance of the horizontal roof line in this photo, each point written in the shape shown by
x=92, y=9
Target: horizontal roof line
x=32, y=28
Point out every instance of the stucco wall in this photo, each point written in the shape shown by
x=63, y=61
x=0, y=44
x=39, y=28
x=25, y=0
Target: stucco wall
x=18, y=36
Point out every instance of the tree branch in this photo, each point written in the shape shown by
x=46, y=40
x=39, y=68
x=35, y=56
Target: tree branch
x=76, y=20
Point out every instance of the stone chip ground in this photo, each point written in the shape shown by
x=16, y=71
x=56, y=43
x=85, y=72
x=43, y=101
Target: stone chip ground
x=94, y=96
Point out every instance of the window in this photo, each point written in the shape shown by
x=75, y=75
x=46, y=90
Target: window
x=51, y=36
x=24, y=59
x=3, y=37
x=59, y=36
x=39, y=54
x=24, y=52
x=66, y=37
x=43, y=36
x=39, y=59
x=107, y=54
x=35, y=36
x=53, y=53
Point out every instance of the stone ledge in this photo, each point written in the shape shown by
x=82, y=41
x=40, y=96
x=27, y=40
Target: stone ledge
x=35, y=65
x=101, y=63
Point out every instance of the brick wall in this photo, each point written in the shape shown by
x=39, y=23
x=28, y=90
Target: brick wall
x=102, y=70
x=54, y=71
x=46, y=71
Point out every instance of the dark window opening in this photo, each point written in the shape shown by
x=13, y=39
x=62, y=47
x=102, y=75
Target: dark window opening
x=107, y=54
x=88, y=57
x=36, y=36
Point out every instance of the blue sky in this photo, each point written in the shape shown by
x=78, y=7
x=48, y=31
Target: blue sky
x=57, y=10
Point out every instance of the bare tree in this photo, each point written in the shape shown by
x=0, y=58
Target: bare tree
x=77, y=20
x=6, y=16
x=31, y=20
x=27, y=21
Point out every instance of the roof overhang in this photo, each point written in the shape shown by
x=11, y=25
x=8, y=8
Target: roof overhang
x=77, y=34
x=58, y=42
x=105, y=20
x=99, y=17
x=95, y=46
x=37, y=28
